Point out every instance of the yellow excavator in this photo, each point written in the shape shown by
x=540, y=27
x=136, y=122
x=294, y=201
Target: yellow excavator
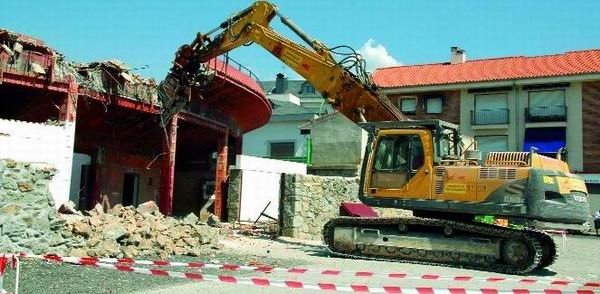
x=422, y=166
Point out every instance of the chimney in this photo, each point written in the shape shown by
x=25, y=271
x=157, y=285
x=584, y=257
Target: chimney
x=457, y=55
x=281, y=84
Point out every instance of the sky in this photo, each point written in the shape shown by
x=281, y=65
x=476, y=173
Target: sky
x=146, y=33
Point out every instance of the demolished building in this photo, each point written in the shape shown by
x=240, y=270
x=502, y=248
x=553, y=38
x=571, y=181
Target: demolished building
x=99, y=125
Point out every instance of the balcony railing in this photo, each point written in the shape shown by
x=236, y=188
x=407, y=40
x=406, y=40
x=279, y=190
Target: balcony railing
x=546, y=113
x=489, y=116
x=231, y=62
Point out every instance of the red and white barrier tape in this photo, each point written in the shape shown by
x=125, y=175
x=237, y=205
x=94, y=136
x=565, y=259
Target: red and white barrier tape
x=289, y=284
x=300, y=271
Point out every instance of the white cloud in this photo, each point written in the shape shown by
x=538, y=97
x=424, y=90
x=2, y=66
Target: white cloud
x=376, y=55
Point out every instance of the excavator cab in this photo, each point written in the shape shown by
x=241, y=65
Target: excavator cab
x=401, y=157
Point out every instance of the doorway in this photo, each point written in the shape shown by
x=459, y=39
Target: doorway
x=131, y=185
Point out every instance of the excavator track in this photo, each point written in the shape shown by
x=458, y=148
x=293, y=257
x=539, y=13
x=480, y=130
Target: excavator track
x=490, y=248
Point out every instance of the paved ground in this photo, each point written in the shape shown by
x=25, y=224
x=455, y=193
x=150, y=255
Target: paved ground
x=580, y=260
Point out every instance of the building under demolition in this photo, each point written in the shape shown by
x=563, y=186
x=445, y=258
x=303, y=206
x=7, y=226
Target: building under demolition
x=99, y=124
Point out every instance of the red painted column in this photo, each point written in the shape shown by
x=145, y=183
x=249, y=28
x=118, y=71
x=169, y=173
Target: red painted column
x=221, y=174
x=68, y=109
x=167, y=180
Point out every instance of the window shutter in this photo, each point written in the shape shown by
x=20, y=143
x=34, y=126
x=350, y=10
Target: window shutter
x=547, y=98
x=492, y=144
x=491, y=101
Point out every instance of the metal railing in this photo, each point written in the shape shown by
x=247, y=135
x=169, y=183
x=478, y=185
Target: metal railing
x=546, y=113
x=234, y=64
x=489, y=116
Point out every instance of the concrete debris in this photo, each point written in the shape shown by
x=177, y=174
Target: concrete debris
x=114, y=77
x=125, y=231
x=30, y=223
x=37, y=69
x=68, y=208
x=7, y=50
x=213, y=221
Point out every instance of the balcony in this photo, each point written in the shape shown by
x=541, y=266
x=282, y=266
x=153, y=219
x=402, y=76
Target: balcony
x=546, y=113
x=489, y=116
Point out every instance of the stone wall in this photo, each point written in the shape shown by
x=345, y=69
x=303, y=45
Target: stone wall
x=28, y=220
x=234, y=192
x=308, y=202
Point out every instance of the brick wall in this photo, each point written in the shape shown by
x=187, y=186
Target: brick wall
x=591, y=127
x=450, y=111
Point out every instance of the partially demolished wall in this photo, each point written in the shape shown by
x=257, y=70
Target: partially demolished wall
x=28, y=56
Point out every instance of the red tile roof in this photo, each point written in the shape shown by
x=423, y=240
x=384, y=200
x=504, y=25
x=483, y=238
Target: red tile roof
x=493, y=69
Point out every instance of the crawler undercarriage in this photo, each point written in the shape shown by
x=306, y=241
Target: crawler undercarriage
x=443, y=242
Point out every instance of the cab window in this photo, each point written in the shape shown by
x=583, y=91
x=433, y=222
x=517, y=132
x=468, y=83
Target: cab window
x=397, y=159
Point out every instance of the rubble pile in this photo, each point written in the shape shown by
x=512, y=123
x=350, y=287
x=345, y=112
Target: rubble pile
x=127, y=232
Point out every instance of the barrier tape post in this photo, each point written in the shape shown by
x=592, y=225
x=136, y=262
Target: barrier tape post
x=563, y=234
x=13, y=260
x=17, y=265
x=3, y=261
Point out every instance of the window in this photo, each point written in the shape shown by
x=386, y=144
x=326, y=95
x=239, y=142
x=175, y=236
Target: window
x=399, y=153
x=282, y=149
x=397, y=159
x=491, y=144
x=307, y=89
x=434, y=105
x=490, y=109
x=408, y=105
x=546, y=105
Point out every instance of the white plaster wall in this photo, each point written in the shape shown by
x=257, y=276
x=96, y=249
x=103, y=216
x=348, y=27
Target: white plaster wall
x=285, y=97
x=257, y=142
x=245, y=162
x=261, y=179
x=40, y=143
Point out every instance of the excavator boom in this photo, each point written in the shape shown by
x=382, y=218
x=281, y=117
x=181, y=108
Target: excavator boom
x=345, y=83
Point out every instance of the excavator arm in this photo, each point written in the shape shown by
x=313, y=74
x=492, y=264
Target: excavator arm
x=351, y=93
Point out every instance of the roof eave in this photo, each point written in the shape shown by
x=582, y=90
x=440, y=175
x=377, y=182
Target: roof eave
x=493, y=83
